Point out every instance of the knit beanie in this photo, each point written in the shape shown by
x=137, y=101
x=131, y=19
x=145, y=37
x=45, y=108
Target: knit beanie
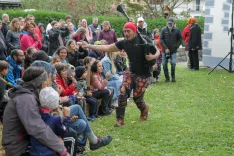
x=41, y=55
x=80, y=70
x=49, y=98
x=130, y=25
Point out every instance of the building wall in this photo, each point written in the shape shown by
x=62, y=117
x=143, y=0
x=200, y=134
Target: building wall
x=216, y=44
x=191, y=7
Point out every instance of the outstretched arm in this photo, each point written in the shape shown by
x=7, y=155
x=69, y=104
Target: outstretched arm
x=105, y=48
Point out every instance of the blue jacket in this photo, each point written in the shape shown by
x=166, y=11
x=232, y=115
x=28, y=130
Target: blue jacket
x=14, y=71
x=114, y=80
x=59, y=128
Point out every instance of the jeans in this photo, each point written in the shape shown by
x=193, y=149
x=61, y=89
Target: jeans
x=173, y=65
x=81, y=124
x=93, y=104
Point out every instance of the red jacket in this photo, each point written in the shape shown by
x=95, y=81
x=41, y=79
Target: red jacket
x=67, y=90
x=27, y=40
x=185, y=34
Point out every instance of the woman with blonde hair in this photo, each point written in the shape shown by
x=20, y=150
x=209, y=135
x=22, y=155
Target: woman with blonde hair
x=114, y=79
x=80, y=35
x=12, y=37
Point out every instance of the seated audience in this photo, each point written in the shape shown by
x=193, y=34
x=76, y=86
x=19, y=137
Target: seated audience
x=98, y=87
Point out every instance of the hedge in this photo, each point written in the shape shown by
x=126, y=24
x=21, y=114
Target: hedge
x=41, y=16
x=118, y=22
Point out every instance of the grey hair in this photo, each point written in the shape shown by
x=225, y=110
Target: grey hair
x=4, y=15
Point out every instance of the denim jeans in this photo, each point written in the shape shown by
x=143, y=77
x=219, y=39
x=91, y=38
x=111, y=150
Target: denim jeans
x=81, y=124
x=173, y=65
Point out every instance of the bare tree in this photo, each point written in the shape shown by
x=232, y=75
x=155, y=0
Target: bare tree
x=156, y=7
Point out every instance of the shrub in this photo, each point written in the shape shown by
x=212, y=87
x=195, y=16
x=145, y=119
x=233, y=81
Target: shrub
x=41, y=16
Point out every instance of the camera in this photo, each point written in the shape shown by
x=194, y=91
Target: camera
x=168, y=56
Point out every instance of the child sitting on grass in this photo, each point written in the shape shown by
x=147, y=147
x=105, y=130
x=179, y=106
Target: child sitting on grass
x=81, y=86
x=57, y=120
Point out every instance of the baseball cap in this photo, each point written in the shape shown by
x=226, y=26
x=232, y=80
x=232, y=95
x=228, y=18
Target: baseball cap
x=170, y=20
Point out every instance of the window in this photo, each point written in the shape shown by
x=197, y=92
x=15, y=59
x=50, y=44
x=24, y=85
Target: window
x=198, y=5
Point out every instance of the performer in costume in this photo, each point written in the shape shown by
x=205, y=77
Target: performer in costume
x=139, y=73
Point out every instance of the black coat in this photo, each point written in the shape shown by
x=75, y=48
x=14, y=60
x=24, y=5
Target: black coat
x=5, y=28
x=12, y=40
x=195, y=37
x=3, y=49
x=53, y=39
x=170, y=39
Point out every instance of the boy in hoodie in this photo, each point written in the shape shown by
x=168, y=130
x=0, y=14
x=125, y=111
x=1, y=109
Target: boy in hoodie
x=81, y=86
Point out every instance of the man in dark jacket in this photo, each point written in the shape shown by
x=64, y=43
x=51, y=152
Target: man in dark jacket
x=3, y=46
x=56, y=35
x=95, y=28
x=5, y=26
x=170, y=40
x=194, y=44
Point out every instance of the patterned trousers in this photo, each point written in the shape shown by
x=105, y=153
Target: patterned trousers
x=136, y=83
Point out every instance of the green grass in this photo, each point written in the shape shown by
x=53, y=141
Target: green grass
x=193, y=116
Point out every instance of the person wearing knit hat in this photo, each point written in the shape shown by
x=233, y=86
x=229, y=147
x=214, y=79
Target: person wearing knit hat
x=142, y=27
x=194, y=44
x=185, y=36
x=139, y=73
x=49, y=98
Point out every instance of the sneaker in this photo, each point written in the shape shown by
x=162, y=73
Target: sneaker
x=173, y=80
x=119, y=123
x=167, y=80
x=144, y=113
x=101, y=142
x=96, y=116
x=91, y=118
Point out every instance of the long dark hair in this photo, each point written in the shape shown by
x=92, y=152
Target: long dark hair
x=93, y=70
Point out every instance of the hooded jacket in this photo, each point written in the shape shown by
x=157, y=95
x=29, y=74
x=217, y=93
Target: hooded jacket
x=14, y=71
x=27, y=40
x=22, y=119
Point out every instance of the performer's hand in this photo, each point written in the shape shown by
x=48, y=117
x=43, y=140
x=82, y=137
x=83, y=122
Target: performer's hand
x=167, y=51
x=83, y=44
x=150, y=57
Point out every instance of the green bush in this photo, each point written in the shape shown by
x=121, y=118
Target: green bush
x=41, y=16
x=118, y=22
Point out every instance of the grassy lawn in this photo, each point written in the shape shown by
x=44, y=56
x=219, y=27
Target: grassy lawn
x=193, y=116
